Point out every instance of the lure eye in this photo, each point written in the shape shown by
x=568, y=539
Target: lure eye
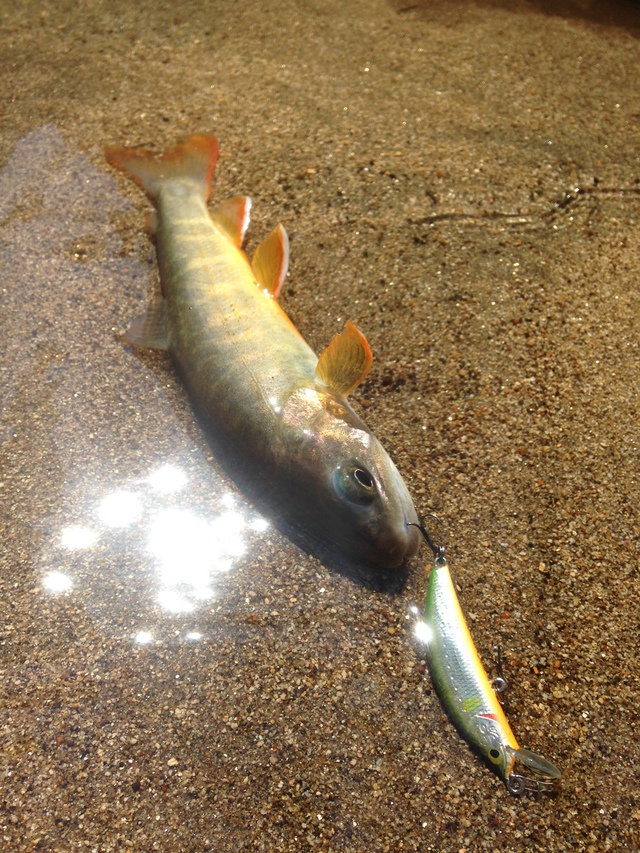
x=494, y=756
x=355, y=484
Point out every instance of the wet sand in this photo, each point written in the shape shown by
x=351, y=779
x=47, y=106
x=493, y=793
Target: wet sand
x=463, y=181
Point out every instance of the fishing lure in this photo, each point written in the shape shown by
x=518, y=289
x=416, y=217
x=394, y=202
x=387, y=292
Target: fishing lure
x=465, y=691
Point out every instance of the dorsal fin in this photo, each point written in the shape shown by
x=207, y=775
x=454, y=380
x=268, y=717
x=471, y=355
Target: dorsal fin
x=233, y=217
x=271, y=261
x=345, y=362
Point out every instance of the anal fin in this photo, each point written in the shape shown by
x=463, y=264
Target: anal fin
x=149, y=330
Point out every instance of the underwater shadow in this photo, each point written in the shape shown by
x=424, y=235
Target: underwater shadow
x=609, y=13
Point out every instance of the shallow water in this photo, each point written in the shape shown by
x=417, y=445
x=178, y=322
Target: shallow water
x=462, y=180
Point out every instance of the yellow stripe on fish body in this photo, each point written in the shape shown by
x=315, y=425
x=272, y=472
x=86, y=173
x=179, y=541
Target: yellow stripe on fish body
x=278, y=413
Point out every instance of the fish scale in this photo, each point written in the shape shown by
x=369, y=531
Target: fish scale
x=209, y=312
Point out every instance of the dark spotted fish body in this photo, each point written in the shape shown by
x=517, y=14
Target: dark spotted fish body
x=276, y=410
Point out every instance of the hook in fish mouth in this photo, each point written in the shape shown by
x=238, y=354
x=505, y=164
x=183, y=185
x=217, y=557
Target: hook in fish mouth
x=438, y=550
x=401, y=545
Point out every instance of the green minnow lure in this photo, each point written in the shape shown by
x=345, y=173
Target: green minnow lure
x=465, y=691
x=278, y=414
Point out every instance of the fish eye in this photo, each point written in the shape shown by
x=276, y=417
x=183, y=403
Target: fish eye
x=354, y=483
x=363, y=477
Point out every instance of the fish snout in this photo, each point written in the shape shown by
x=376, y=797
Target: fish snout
x=396, y=546
x=398, y=541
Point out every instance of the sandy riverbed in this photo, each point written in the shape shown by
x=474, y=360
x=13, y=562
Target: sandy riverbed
x=461, y=180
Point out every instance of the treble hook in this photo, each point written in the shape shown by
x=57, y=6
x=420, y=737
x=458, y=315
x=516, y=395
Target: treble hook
x=438, y=550
x=546, y=778
x=518, y=784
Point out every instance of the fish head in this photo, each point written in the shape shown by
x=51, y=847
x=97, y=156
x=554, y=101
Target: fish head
x=351, y=497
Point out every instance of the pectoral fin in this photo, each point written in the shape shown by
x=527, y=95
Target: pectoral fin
x=233, y=217
x=271, y=261
x=345, y=362
x=149, y=330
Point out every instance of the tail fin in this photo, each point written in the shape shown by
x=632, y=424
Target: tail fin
x=193, y=160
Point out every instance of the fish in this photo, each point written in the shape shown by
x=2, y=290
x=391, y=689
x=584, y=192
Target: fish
x=277, y=413
x=464, y=689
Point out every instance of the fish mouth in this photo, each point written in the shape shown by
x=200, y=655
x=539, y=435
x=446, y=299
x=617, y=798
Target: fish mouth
x=398, y=547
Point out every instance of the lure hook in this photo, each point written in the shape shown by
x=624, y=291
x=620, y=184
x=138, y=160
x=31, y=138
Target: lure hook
x=438, y=550
x=547, y=774
x=518, y=784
